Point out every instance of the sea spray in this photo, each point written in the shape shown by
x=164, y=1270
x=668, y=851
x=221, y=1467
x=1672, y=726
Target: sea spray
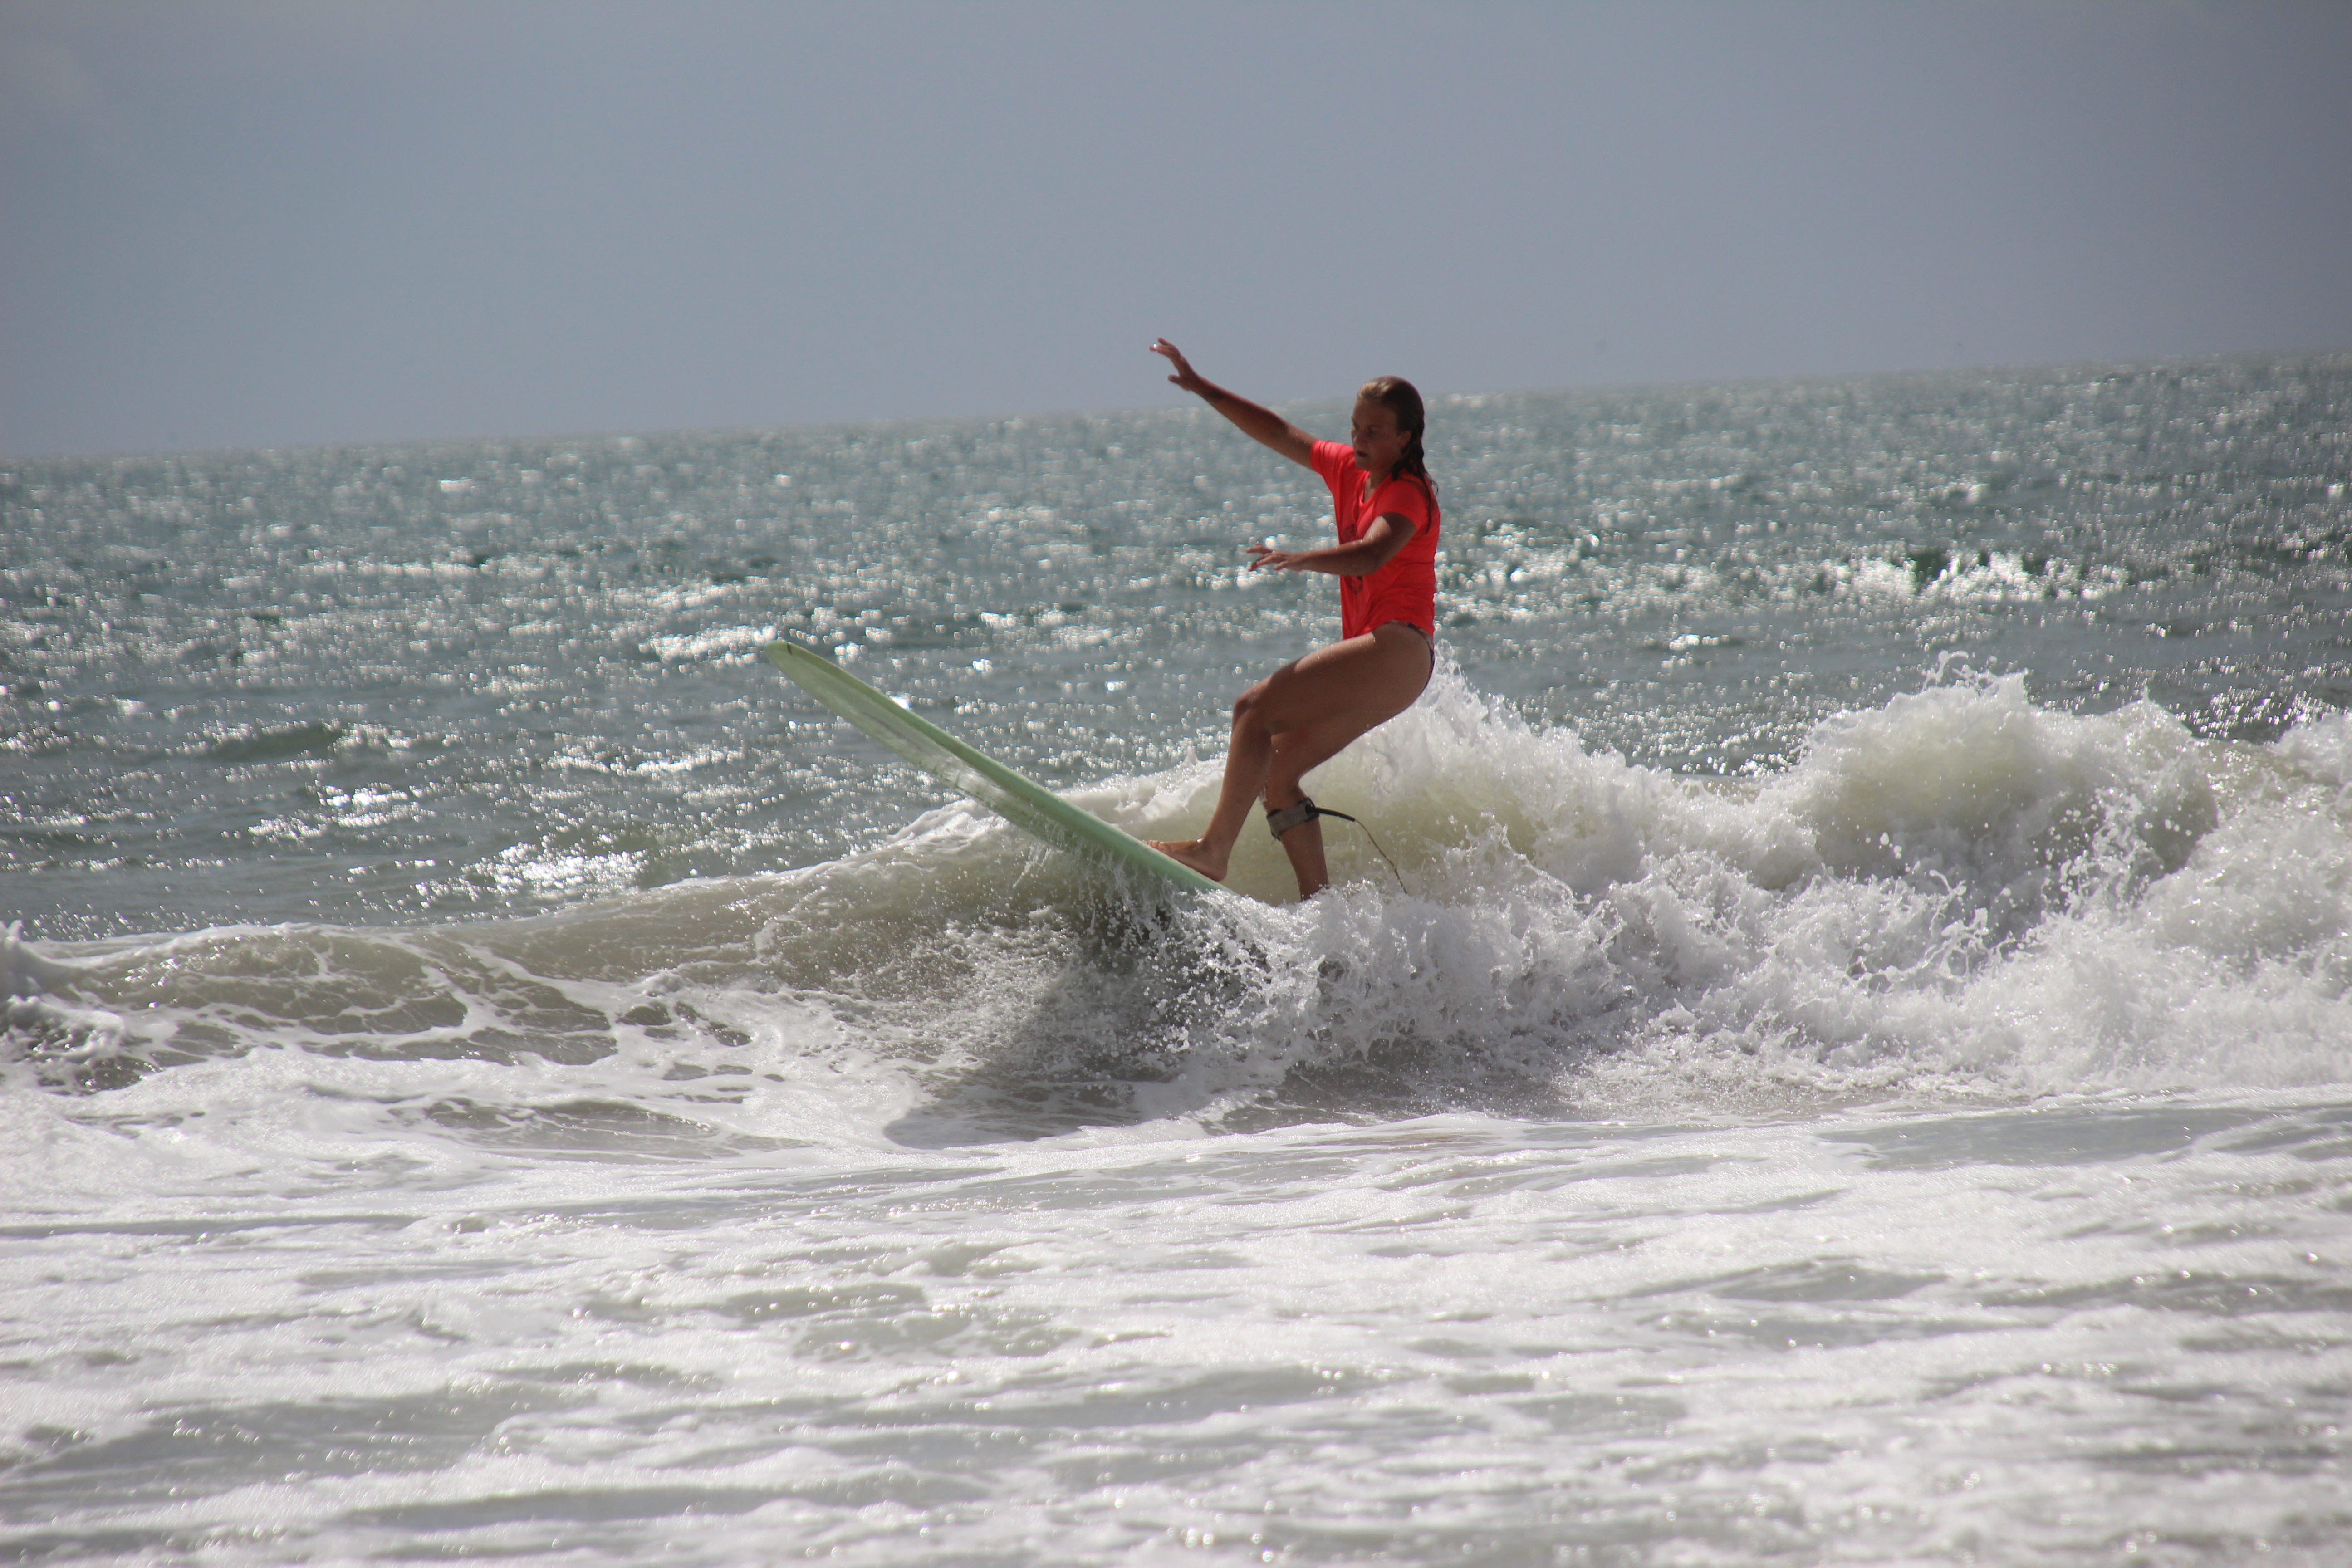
x=487, y=1069
x=1957, y=893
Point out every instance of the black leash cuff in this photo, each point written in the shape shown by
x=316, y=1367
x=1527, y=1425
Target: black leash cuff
x=1297, y=814
x=1303, y=810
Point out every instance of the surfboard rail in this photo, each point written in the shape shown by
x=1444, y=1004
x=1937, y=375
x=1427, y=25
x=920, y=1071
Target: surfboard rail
x=1020, y=800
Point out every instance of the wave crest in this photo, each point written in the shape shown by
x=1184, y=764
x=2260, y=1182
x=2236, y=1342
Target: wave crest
x=1957, y=895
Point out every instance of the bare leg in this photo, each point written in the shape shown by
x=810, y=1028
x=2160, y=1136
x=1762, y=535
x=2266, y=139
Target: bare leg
x=1301, y=715
x=1304, y=845
x=1297, y=752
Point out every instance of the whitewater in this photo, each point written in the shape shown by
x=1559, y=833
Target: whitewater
x=1852, y=1061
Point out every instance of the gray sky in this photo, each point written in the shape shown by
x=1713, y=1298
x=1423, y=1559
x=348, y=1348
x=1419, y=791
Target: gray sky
x=279, y=222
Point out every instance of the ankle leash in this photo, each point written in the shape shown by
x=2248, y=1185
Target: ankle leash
x=1303, y=810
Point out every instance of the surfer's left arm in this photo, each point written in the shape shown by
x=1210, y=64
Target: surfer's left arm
x=1390, y=533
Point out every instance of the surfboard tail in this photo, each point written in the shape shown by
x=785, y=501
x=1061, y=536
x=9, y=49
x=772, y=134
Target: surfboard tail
x=1022, y=801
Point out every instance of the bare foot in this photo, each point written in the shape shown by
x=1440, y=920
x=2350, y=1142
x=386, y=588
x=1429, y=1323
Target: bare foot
x=1187, y=852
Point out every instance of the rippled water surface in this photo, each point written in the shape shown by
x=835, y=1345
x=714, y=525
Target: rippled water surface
x=1850, y=1063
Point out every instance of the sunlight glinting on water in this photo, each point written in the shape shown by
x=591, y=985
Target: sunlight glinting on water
x=1848, y=1064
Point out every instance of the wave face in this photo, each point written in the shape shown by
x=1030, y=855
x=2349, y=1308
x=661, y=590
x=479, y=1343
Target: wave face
x=1957, y=895
x=397, y=686
x=1840, y=1052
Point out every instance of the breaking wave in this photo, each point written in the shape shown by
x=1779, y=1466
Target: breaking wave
x=1955, y=896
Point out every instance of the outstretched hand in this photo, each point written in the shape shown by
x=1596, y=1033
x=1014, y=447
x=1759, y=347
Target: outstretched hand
x=1260, y=424
x=1266, y=558
x=1186, y=377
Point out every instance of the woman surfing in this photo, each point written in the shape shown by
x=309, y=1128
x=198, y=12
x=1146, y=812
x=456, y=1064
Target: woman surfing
x=1305, y=712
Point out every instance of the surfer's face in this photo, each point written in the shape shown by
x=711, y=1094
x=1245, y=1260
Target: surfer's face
x=1375, y=437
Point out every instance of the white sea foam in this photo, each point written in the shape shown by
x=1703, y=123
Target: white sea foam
x=2321, y=749
x=1959, y=894
x=597, y=1110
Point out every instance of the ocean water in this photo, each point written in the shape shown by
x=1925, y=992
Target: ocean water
x=1852, y=1063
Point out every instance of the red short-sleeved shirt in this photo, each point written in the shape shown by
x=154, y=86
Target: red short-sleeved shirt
x=1406, y=588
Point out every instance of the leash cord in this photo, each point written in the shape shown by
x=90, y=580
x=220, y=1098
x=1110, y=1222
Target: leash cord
x=1383, y=854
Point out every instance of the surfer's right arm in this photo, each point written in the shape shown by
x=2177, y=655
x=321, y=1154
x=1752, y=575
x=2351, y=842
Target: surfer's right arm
x=1260, y=424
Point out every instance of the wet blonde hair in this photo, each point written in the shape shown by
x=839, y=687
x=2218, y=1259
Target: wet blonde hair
x=1402, y=398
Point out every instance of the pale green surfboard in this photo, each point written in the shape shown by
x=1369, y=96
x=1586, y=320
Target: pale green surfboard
x=1024, y=803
